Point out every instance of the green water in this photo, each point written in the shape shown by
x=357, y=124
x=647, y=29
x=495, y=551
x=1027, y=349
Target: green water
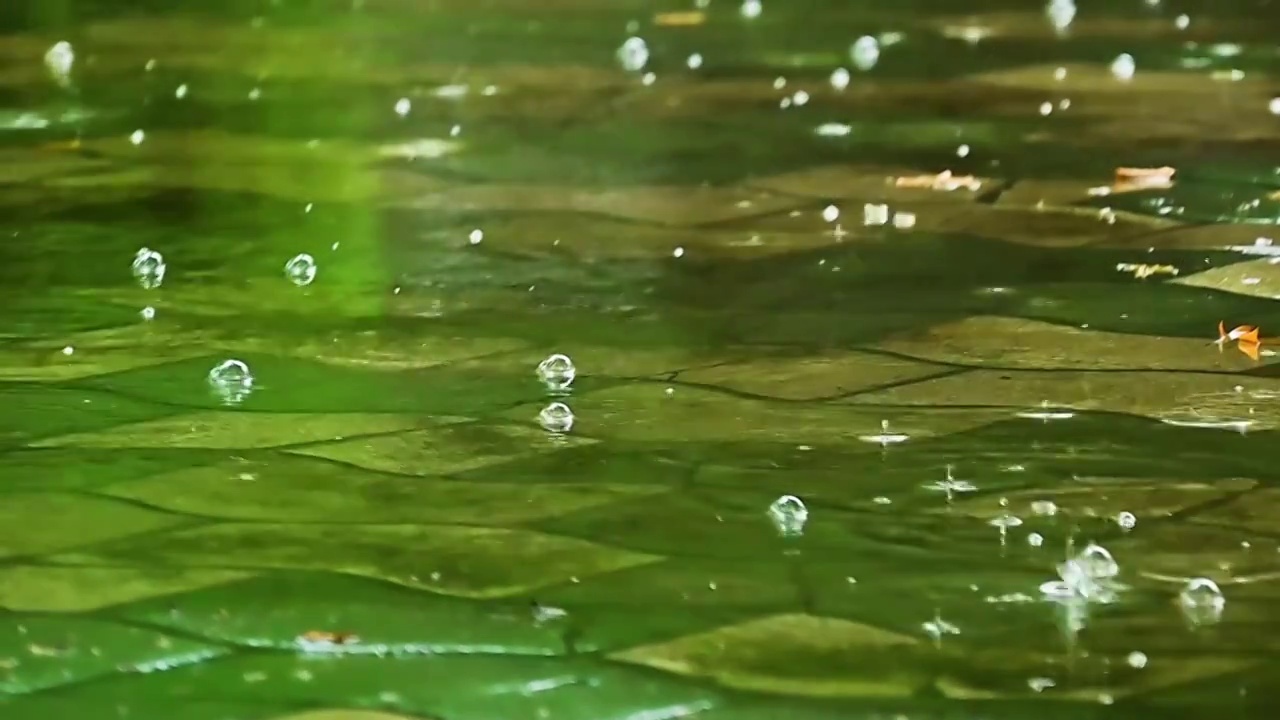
x=482, y=185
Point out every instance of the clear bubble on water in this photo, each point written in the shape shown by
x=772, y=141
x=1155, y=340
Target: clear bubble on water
x=301, y=270
x=865, y=52
x=634, y=54
x=59, y=60
x=231, y=380
x=149, y=268
x=557, y=372
x=1097, y=562
x=1123, y=67
x=1202, y=601
x=789, y=515
x=1126, y=520
x=556, y=418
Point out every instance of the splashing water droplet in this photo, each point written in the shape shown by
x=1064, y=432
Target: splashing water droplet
x=149, y=268
x=751, y=9
x=789, y=515
x=301, y=270
x=556, y=418
x=634, y=54
x=1126, y=520
x=1123, y=67
x=231, y=380
x=137, y=137
x=59, y=60
x=403, y=106
x=557, y=372
x=840, y=79
x=865, y=53
x=1202, y=601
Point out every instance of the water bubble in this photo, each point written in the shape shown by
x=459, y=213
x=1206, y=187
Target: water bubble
x=137, y=137
x=557, y=372
x=1202, y=601
x=403, y=106
x=301, y=270
x=180, y=92
x=231, y=380
x=831, y=213
x=1137, y=659
x=751, y=9
x=1035, y=540
x=865, y=52
x=149, y=268
x=148, y=313
x=1274, y=106
x=840, y=79
x=59, y=60
x=556, y=418
x=634, y=54
x=678, y=252
x=1097, y=562
x=1123, y=67
x=962, y=151
x=476, y=236
x=1061, y=13
x=1126, y=520
x=1182, y=22
x=875, y=214
x=695, y=61
x=789, y=515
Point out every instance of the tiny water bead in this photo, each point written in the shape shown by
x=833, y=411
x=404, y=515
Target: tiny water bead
x=1126, y=520
x=557, y=372
x=840, y=78
x=556, y=418
x=231, y=380
x=634, y=54
x=137, y=137
x=1123, y=67
x=1202, y=601
x=476, y=236
x=301, y=270
x=865, y=52
x=59, y=60
x=149, y=268
x=789, y=515
x=403, y=106
x=751, y=9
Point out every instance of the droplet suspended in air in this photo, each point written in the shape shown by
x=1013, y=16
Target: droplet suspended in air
x=556, y=418
x=789, y=515
x=751, y=9
x=1061, y=13
x=149, y=268
x=59, y=60
x=403, y=106
x=840, y=78
x=137, y=137
x=301, y=270
x=1123, y=67
x=865, y=53
x=634, y=54
x=231, y=380
x=557, y=372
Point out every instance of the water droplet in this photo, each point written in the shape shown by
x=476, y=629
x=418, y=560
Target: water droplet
x=840, y=79
x=1097, y=563
x=695, y=61
x=634, y=54
x=556, y=418
x=476, y=236
x=1061, y=13
x=962, y=151
x=874, y=214
x=137, y=137
x=1137, y=659
x=678, y=252
x=68, y=351
x=557, y=372
x=1126, y=520
x=181, y=92
x=231, y=380
x=789, y=515
x=1202, y=601
x=1123, y=67
x=1044, y=507
x=301, y=270
x=403, y=106
x=865, y=52
x=149, y=268
x=148, y=313
x=751, y=9
x=1035, y=540
x=831, y=213
x=59, y=60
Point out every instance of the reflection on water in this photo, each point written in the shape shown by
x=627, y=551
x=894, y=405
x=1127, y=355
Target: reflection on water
x=703, y=359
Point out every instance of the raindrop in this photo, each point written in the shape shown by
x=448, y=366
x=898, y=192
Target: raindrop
x=149, y=268
x=1202, y=601
x=556, y=418
x=865, y=52
x=1123, y=67
x=59, y=59
x=1126, y=520
x=231, y=380
x=634, y=54
x=557, y=372
x=789, y=515
x=840, y=79
x=301, y=270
